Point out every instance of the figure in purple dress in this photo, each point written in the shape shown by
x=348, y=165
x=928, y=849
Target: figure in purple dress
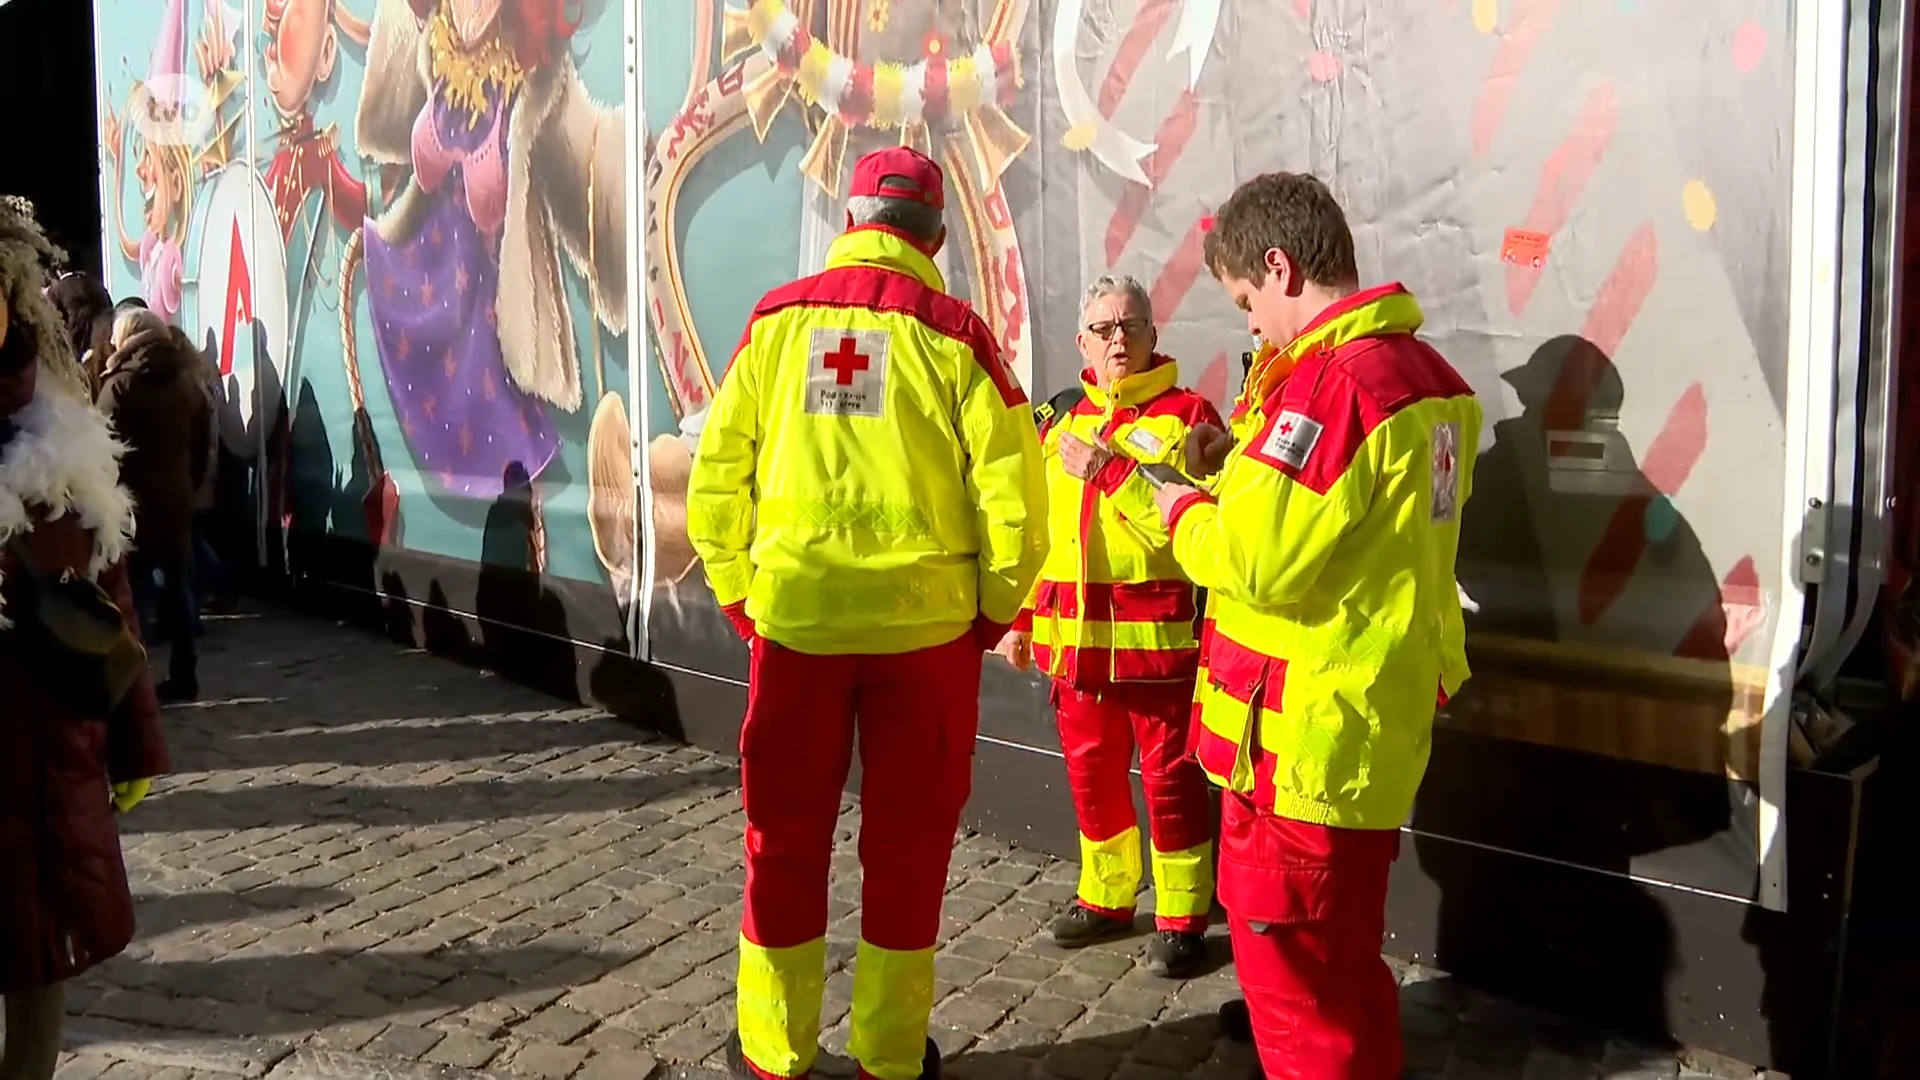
x=512, y=164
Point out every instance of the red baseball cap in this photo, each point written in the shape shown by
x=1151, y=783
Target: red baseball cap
x=900, y=172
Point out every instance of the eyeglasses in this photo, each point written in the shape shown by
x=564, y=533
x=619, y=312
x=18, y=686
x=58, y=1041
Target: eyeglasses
x=1131, y=327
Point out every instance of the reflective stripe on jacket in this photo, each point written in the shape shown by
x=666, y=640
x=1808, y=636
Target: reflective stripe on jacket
x=1112, y=604
x=1327, y=549
x=869, y=479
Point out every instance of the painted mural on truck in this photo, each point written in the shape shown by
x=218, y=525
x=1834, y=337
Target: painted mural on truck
x=399, y=228
x=1590, y=200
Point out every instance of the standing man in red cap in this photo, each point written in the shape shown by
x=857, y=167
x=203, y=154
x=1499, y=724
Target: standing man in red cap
x=869, y=502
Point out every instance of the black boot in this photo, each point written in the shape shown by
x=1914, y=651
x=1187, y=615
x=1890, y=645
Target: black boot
x=1081, y=926
x=737, y=1066
x=736, y=1058
x=174, y=691
x=1173, y=954
x=1235, y=1022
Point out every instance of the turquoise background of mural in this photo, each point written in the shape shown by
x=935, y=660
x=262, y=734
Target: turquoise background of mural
x=738, y=216
x=437, y=524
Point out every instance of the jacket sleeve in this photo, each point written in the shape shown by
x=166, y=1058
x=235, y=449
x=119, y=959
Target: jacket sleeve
x=1132, y=497
x=720, y=502
x=1005, y=479
x=1282, y=505
x=1049, y=450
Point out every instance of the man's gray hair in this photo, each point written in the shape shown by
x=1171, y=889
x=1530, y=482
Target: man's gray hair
x=1119, y=285
x=916, y=219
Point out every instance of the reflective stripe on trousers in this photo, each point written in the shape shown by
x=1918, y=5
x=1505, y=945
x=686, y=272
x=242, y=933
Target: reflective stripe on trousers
x=915, y=716
x=1098, y=734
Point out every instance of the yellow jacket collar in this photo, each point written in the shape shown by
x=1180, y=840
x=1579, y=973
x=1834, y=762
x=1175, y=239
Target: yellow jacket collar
x=884, y=249
x=1375, y=312
x=1135, y=389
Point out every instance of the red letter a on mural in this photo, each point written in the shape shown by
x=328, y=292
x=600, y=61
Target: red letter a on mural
x=239, y=301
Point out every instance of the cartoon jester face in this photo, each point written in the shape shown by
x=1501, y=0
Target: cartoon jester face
x=301, y=48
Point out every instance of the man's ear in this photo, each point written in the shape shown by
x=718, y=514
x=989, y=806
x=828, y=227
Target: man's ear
x=1280, y=265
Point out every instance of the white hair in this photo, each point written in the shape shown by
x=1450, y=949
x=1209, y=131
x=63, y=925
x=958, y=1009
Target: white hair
x=1119, y=285
x=916, y=219
x=135, y=320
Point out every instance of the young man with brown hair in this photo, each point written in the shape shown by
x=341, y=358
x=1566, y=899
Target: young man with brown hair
x=1326, y=544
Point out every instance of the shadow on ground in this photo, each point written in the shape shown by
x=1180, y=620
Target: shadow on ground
x=1449, y=1031
x=289, y=805
x=161, y=913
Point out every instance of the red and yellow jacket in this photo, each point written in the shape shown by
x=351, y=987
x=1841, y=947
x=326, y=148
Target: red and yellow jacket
x=868, y=480
x=1112, y=604
x=1327, y=548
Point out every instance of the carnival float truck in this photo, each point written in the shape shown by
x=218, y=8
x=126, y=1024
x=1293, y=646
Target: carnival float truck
x=1661, y=241
x=493, y=255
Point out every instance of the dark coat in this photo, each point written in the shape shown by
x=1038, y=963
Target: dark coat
x=155, y=391
x=64, y=903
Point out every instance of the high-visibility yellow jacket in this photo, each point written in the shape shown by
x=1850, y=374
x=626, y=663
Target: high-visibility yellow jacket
x=1112, y=604
x=869, y=478
x=1327, y=549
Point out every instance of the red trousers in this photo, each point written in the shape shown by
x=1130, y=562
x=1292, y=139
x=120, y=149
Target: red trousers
x=1098, y=735
x=1307, y=905
x=915, y=716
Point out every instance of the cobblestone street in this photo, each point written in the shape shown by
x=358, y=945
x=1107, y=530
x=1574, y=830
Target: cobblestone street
x=373, y=862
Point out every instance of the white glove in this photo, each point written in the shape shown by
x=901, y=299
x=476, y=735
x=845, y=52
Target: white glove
x=1467, y=603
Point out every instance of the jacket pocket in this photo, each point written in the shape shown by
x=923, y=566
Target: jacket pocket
x=1288, y=873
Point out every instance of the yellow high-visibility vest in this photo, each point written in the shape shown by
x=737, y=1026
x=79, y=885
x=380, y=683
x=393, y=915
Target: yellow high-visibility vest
x=1327, y=549
x=1112, y=604
x=869, y=478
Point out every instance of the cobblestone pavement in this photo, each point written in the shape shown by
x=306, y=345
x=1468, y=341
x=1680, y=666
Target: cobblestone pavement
x=373, y=862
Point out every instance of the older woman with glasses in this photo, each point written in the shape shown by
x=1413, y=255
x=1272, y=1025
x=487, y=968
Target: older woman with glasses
x=1114, y=623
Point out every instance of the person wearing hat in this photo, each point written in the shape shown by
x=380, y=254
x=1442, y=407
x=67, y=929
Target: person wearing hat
x=1326, y=541
x=869, y=502
x=81, y=738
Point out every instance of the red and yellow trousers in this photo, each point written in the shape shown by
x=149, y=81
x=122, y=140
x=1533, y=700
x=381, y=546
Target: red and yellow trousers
x=915, y=716
x=1307, y=907
x=1098, y=734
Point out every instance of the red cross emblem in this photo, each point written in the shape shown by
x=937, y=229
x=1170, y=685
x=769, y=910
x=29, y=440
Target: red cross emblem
x=845, y=361
x=1286, y=428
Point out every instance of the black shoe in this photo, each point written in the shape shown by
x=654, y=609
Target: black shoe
x=736, y=1058
x=174, y=691
x=1081, y=926
x=1235, y=1022
x=1173, y=954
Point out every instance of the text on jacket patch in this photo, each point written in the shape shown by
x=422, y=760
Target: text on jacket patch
x=847, y=372
x=1147, y=441
x=1291, y=439
x=1446, y=471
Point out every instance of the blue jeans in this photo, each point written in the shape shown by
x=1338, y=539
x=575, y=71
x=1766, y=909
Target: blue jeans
x=209, y=575
x=167, y=613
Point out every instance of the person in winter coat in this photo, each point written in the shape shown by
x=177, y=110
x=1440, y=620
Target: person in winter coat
x=152, y=387
x=81, y=301
x=64, y=769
